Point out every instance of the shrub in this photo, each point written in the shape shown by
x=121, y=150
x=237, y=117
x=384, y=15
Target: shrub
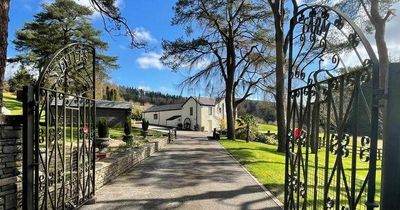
x=245, y=123
x=103, y=128
x=145, y=125
x=127, y=126
x=267, y=139
x=241, y=133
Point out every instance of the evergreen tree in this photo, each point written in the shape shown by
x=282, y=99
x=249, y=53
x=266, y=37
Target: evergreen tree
x=235, y=39
x=21, y=78
x=60, y=23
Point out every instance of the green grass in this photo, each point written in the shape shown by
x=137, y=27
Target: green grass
x=262, y=161
x=268, y=166
x=118, y=133
x=11, y=103
x=264, y=128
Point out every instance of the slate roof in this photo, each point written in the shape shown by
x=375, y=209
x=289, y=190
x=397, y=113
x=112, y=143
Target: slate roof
x=206, y=101
x=164, y=108
x=102, y=104
x=113, y=104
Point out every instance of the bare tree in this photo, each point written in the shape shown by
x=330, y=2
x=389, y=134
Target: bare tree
x=281, y=45
x=375, y=13
x=233, y=42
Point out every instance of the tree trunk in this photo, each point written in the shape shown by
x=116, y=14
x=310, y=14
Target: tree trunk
x=280, y=86
x=230, y=118
x=380, y=26
x=4, y=10
x=248, y=133
x=382, y=52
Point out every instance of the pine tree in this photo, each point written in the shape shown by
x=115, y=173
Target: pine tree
x=21, y=78
x=60, y=23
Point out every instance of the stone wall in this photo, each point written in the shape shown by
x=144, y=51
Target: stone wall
x=10, y=166
x=110, y=168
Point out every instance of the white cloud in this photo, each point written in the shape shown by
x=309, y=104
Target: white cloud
x=144, y=87
x=150, y=60
x=144, y=36
x=11, y=68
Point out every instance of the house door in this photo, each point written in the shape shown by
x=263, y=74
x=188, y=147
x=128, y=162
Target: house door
x=210, y=126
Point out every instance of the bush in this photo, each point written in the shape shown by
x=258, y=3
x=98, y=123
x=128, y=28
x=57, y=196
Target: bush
x=246, y=122
x=145, y=125
x=103, y=129
x=267, y=139
x=241, y=133
x=127, y=126
x=224, y=132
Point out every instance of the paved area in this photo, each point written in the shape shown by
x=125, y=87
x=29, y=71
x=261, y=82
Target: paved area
x=191, y=173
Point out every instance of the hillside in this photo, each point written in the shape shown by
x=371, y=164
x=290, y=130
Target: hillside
x=11, y=104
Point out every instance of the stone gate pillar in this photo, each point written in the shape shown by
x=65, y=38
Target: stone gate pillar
x=10, y=163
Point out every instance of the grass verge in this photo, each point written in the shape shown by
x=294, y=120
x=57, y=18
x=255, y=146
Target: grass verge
x=262, y=161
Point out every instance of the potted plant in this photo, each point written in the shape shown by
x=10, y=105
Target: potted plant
x=103, y=139
x=128, y=137
x=145, y=128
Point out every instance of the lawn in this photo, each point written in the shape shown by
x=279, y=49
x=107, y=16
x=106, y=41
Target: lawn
x=264, y=128
x=12, y=104
x=262, y=161
x=118, y=133
x=268, y=167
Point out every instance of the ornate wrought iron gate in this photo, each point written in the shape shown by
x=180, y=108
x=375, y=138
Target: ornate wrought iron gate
x=332, y=114
x=59, y=161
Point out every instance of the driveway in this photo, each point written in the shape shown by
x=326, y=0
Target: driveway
x=190, y=173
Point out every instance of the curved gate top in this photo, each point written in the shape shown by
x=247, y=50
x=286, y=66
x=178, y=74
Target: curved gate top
x=331, y=118
x=71, y=70
x=61, y=174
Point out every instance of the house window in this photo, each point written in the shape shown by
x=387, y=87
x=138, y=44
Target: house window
x=191, y=111
x=155, y=116
x=209, y=110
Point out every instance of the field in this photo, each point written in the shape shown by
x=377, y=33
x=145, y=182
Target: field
x=264, y=128
x=268, y=166
x=12, y=104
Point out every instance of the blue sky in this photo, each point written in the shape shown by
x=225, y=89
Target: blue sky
x=138, y=68
x=151, y=18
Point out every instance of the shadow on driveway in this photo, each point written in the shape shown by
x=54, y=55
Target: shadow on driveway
x=188, y=174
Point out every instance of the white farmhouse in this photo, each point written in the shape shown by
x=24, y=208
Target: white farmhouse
x=198, y=113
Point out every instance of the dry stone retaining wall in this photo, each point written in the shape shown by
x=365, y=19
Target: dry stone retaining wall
x=10, y=166
x=110, y=168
